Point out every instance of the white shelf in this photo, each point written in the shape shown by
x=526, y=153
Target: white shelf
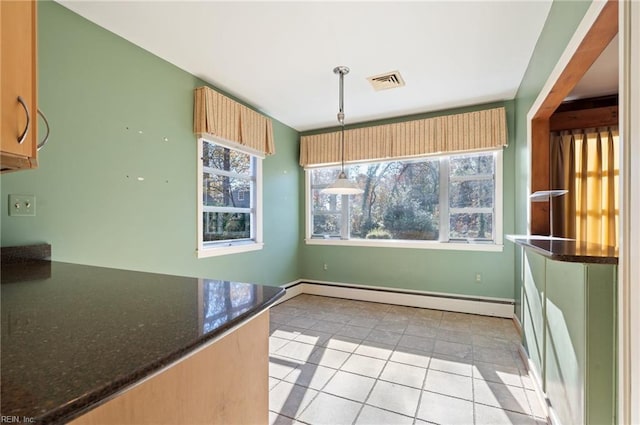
x=545, y=195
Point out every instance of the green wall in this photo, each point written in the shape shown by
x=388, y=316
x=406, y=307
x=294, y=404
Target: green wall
x=431, y=270
x=98, y=92
x=562, y=21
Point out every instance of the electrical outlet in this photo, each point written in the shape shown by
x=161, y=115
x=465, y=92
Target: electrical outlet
x=325, y=267
x=478, y=277
x=22, y=205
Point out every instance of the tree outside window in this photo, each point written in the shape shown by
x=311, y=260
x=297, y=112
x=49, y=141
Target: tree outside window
x=227, y=175
x=409, y=200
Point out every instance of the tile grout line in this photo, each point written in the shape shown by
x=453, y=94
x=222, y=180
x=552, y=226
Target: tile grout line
x=332, y=376
x=303, y=386
x=422, y=389
x=387, y=360
x=378, y=376
x=473, y=397
x=319, y=391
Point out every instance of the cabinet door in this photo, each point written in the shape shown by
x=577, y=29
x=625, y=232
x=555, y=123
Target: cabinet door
x=566, y=340
x=600, y=380
x=533, y=310
x=18, y=70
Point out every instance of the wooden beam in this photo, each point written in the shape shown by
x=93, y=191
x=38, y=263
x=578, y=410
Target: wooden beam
x=597, y=39
x=588, y=103
x=603, y=30
x=586, y=118
x=540, y=175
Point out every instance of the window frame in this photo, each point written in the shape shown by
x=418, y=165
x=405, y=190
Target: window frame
x=212, y=249
x=441, y=243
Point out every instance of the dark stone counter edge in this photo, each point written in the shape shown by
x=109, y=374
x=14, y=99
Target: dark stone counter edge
x=569, y=258
x=25, y=254
x=99, y=396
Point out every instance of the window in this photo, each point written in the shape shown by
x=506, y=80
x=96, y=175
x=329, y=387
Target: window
x=472, y=192
x=436, y=202
x=229, y=218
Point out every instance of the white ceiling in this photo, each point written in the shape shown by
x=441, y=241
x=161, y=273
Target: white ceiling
x=279, y=56
x=602, y=78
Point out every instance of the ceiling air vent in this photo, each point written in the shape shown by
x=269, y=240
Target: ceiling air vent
x=388, y=80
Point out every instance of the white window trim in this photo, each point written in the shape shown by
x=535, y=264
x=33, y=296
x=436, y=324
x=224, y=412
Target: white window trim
x=230, y=247
x=382, y=243
x=496, y=246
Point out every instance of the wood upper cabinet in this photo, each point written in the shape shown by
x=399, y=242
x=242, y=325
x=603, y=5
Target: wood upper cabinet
x=18, y=72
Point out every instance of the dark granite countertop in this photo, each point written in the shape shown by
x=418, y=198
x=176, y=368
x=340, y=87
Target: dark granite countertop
x=568, y=250
x=74, y=335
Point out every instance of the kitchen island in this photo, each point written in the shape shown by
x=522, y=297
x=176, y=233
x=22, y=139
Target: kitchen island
x=569, y=300
x=99, y=345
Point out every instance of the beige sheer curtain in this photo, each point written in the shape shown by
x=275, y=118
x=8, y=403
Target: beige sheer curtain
x=585, y=162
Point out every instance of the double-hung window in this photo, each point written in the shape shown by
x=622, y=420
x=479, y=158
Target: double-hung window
x=472, y=194
x=229, y=211
x=445, y=202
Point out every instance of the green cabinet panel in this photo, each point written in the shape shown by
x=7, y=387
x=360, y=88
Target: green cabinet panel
x=569, y=325
x=566, y=340
x=601, y=339
x=533, y=308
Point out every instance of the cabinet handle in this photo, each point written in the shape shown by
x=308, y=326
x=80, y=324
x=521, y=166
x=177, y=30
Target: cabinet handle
x=46, y=138
x=26, y=127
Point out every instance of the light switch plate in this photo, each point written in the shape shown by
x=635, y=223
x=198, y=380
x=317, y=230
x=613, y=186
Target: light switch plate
x=22, y=205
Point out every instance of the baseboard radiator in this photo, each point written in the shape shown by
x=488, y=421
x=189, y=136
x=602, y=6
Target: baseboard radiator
x=497, y=307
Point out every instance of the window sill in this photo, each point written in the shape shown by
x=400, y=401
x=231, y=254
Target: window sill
x=228, y=249
x=454, y=246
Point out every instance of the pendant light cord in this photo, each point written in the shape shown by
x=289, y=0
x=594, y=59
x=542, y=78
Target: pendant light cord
x=342, y=142
x=342, y=185
x=342, y=70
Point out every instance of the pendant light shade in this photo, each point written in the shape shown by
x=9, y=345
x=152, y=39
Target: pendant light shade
x=342, y=186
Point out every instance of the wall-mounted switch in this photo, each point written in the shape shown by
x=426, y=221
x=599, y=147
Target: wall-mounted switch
x=24, y=205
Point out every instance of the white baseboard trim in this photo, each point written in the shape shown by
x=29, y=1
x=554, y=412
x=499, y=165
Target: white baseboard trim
x=537, y=384
x=497, y=307
x=517, y=324
x=553, y=417
x=292, y=289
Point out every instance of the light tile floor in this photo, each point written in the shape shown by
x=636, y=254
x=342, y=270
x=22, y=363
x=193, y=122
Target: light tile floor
x=335, y=361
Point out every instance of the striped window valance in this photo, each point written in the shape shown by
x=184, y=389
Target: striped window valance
x=221, y=117
x=472, y=131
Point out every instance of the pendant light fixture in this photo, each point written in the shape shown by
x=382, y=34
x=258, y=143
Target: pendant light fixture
x=342, y=186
